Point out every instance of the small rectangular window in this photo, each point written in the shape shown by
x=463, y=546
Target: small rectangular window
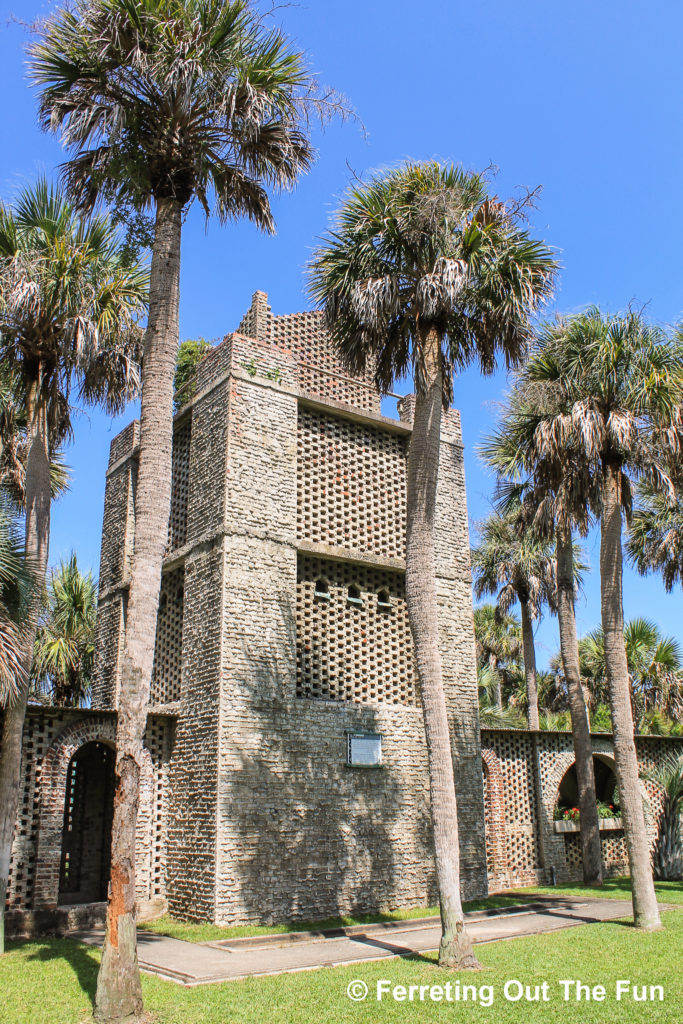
x=364, y=749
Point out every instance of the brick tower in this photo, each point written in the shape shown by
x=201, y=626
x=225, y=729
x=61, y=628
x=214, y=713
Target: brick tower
x=283, y=648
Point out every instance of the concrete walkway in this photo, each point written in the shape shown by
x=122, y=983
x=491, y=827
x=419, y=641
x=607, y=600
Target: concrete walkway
x=190, y=963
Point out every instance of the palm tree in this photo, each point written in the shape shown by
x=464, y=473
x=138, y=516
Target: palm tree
x=667, y=855
x=492, y=713
x=617, y=386
x=68, y=310
x=655, y=664
x=14, y=448
x=65, y=642
x=424, y=272
x=162, y=102
x=512, y=562
x=498, y=640
x=16, y=590
x=557, y=496
x=655, y=535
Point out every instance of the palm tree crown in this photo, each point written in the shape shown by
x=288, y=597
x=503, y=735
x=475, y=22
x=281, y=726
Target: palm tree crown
x=611, y=388
x=655, y=538
x=173, y=99
x=655, y=663
x=65, y=644
x=514, y=564
x=427, y=247
x=498, y=637
x=69, y=306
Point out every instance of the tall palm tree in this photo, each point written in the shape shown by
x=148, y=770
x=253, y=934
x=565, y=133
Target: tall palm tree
x=69, y=305
x=162, y=102
x=655, y=535
x=512, y=562
x=424, y=272
x=557, y=496
x=498, y=639
x=617, y=384
x=65, y=643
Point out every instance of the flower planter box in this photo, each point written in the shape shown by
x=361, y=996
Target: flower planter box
x=604, y=824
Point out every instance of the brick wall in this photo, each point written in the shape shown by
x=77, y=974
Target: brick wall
x=51, y=739
x=523, y=846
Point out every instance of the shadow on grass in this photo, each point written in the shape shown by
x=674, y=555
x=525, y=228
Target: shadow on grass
x=82, y=960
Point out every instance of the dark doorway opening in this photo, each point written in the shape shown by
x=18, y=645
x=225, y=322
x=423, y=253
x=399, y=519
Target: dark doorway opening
x=605, y=784
x=86, y=836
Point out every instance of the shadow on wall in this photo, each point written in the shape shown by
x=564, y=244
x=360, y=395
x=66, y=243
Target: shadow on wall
x=303, y=835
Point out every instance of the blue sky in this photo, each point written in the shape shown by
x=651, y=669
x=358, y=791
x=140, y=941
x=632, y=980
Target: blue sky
x=581, y=98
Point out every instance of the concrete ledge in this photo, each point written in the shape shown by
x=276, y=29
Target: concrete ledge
x=30, y=924
x=372, y=928
x=338, y=554
x=604, y=824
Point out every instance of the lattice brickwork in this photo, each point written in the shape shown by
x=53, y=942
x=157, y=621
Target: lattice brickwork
x=44, y=728
x=177, y=526
x=38, y=734
x=350, y=652
x=613, y=848
x=166, y=677
x=521, y=845
x=319, y=367
x=614, y=853
x=350, y=485
x=157, y=742
x=490, y=824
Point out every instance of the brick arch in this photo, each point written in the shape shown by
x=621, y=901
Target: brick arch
x=52, y=790
x=494, y=817
x=561, y=763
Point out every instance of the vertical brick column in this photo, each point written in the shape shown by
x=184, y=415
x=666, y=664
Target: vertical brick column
x=193, y=769
x=118, y=530
x=258, y=668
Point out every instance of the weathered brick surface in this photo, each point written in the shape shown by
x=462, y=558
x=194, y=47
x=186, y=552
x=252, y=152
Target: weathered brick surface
x=517, y=840
x=193, y=777
x=51, y=739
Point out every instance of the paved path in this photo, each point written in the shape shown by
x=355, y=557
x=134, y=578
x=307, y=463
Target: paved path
x=192, y=964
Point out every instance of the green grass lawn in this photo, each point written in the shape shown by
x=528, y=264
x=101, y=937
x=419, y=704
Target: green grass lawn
x=211, y=932
x=53, y=982
x=615, y=888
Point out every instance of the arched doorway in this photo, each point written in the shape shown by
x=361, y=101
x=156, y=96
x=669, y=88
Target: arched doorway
x=605, y=783
x=86, y=835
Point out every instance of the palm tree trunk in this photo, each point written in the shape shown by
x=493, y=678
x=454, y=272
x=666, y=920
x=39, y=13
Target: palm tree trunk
x=583, y=748
x=645, y=910
x=422, y=476
x=529, y=667
x=37, y=539
x=119, y=993
x=498, y=689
